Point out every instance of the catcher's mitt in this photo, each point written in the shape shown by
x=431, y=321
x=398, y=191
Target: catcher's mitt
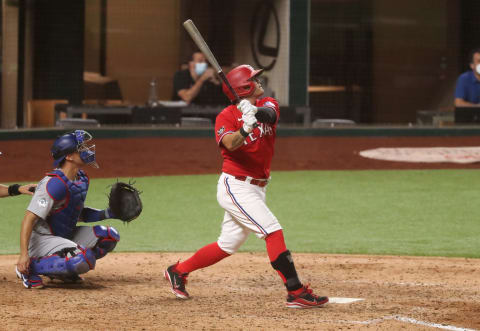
x=124, y=201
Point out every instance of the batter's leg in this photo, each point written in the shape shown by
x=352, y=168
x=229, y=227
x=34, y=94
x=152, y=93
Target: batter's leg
x=232, y=237
x=299, y=296
x=233, y=234
x=246, y=204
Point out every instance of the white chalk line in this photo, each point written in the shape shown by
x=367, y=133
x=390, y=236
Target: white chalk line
x=412, y=321
x=435, y=325
x=344, y=300
x=394, y=283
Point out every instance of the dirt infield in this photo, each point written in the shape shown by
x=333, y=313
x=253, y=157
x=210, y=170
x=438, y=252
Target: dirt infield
x=127, y=290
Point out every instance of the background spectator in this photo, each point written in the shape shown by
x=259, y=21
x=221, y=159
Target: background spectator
x=467, y=92
x=198, y=84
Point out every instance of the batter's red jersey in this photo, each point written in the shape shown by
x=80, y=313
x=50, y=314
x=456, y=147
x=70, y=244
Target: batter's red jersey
x=255, y=156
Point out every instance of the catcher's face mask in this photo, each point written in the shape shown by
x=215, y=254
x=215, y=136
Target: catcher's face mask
x=84, y=148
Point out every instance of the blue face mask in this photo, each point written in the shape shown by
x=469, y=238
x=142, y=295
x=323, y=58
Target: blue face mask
x=87, y=152
x=200, y=68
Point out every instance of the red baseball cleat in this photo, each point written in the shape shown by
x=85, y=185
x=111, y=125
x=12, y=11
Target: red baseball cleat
x=177, y=281
x=305, y=299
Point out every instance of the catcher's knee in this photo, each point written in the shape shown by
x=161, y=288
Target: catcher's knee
x=108, y=237
x=68, y=261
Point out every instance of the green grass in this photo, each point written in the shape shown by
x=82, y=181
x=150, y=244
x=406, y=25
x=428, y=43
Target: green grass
x=431, y=213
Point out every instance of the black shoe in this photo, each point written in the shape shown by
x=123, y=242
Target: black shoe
x=306, y=299
x=177, y=281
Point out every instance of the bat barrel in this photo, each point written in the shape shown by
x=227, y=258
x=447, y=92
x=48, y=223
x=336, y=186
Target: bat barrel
x=202, y=45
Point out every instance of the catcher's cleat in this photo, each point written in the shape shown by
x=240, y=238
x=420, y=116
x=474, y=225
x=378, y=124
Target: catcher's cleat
x=72, y=279
x=305, y=299
x=177, y=281
x=30, y=281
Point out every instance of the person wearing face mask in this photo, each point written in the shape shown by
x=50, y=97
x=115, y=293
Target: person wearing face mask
x=467, y=91
x=198, y=84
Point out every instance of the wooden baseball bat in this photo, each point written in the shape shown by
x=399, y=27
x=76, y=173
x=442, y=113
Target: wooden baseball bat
x=202, y=45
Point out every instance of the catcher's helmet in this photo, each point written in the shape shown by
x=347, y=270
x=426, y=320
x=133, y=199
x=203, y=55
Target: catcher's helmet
x=241, y=80
x=71, y=142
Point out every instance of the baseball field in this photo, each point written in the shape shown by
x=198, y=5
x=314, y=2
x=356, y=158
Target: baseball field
x=403, y=238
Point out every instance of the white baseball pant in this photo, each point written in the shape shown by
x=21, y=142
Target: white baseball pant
x=245, y=212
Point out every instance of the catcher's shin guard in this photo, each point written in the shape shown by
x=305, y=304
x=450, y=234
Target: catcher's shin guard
x=67, y=262
x=107, y=240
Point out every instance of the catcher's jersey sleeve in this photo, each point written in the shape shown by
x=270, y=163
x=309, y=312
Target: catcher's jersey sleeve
x=41, y=203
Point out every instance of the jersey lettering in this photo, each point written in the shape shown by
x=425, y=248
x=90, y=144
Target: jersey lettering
x=264, y=130
x=254, y=157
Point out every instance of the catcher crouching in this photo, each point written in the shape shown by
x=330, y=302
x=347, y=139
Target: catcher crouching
x=51, y=243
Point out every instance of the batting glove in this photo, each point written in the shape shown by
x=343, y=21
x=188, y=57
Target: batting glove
x=249, y=122
x=246, y=107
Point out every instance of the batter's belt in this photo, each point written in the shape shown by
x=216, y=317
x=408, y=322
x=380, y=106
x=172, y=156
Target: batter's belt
x=253, y=181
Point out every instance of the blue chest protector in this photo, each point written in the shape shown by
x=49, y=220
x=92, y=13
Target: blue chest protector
x=64, y=220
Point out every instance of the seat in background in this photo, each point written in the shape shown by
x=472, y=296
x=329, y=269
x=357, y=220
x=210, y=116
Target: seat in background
x=41, y=112
x=77, y=123
x=332, y=122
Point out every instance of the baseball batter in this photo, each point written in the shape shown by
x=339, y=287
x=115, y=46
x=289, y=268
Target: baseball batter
x=245, y=134
x=51, y=243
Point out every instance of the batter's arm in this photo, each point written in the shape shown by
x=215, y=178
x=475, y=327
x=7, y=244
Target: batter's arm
x=25, y=233
x=16, y=189
x=3, y=191
x=233, y=141
x=266, y=115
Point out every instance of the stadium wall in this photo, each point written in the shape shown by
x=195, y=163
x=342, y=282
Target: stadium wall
x=154, y=152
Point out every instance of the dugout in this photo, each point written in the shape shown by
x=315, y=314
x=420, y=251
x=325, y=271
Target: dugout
x=368, y=61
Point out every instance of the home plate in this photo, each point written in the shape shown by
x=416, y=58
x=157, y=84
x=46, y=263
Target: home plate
x=343, y=300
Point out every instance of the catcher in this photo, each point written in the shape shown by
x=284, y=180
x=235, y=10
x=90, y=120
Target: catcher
x=51, y=243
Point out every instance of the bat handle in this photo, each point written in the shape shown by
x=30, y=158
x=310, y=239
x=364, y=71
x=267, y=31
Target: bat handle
x=225, y=80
